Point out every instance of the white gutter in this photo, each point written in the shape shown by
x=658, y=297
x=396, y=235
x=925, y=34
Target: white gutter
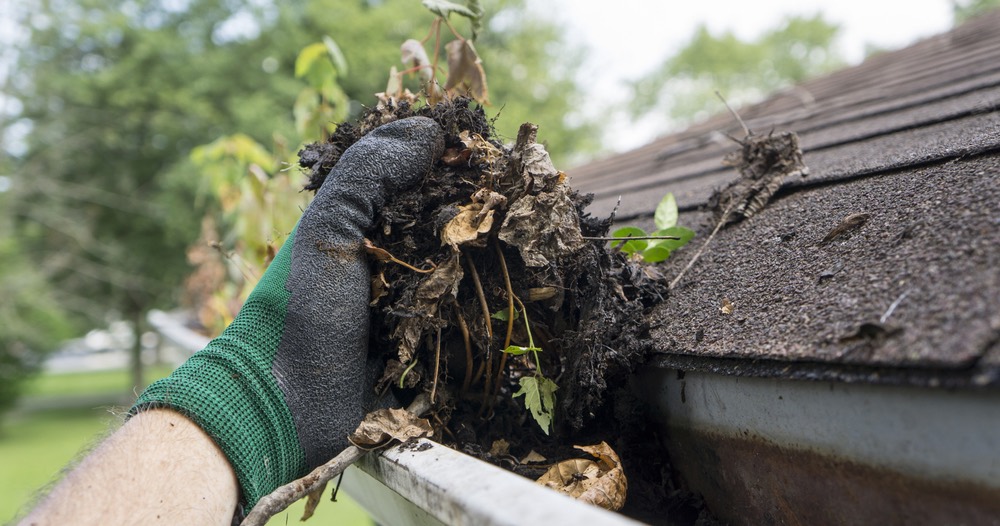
x=430, y=484
x=929, y=433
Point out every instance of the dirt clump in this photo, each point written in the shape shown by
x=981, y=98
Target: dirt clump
x=491, y=227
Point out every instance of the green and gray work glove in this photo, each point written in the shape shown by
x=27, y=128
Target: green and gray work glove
x=290, y=378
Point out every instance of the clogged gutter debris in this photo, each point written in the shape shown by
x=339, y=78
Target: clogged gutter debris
x=488, y=296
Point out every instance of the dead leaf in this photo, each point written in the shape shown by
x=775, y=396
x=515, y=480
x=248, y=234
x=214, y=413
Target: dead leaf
x=764, y=163
x=500, y=448
x=600, y=482
x=469, y=227
x=456, y=157
x=465, y=69
x=482, y=150
x=543, y=227
x=431, y=291
x=380, y=254
x=380, y=287
x=532, y=164
x=846, y=226
x=384, y=425
x=533, y=457
x=727, y=306
x=413, y=54
x=312, y=502
x=541, y=293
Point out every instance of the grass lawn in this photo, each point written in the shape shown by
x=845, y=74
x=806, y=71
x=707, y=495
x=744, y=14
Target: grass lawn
x=36, y=445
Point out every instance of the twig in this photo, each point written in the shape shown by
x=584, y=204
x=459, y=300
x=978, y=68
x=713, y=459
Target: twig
x=437, y=365
x=722, y=221
x=468, y=344
x=892, y=307
x=510, y=317
x=283, y=497
x=739, y=119
x=627, y=238
x=382, y=254
x=482, y=297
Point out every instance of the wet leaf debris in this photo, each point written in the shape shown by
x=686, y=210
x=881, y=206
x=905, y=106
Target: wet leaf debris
x=483, y=283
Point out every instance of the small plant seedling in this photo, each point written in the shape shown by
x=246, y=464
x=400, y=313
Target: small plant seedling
x=655, y=250
x=539, y=392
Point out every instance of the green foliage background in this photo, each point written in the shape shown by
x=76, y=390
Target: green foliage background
x=113, y=95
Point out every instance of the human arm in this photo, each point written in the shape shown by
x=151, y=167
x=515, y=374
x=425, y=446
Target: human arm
x=281, y=388
x=158, y=467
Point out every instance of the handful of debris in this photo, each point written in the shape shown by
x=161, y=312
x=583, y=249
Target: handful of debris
x=486, y=289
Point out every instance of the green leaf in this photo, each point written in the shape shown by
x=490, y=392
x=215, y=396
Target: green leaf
x=540, y=399
x=655, y=254
x=443, y=8
x=630, y=247
x=685, y=235
x=517, y=350
x=339, y=62
x=503, y=316
x=477, y=23
x=306, y=61
x=666, y=212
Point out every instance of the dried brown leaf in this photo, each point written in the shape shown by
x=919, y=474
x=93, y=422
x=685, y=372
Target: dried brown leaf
x=533, y=457
x=465, y=70
x=544, y=227
x=469, y=227
x=482, y=150
x=379, y=254
x=431, y=291
x=379, y=286
x=312, y=502
x=764, y=163
x=384, y=425
x=456, y=156
x=600, y=482
x=500, y=448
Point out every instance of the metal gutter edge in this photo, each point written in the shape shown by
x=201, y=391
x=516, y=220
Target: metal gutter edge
x=770, y=450
x=425, y=483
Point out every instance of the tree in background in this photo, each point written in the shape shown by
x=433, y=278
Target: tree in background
x=112, y=96
x=963, y=10
x=684, y=86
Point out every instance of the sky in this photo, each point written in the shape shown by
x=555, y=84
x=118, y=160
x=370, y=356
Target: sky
x=632, y=37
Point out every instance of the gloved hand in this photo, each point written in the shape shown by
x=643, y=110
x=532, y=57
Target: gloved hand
x=288, y=380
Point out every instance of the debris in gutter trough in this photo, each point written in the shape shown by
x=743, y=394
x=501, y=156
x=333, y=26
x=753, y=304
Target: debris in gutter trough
x=516, y=289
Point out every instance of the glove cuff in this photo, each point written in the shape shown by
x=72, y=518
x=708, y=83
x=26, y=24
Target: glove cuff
x=229, y=390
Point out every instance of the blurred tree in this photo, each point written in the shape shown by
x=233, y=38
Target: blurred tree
x=743, y=71
x=112, y=95
x=31, y=313
x=963, y=10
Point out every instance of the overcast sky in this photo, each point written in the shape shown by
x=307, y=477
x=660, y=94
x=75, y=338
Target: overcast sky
x=632, y=37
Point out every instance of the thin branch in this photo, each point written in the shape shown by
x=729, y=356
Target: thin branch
x=739, y=119
x=510, y=317
x=284, y=496
x=468, y=344
x=722, y=221
x=482, y=297
x=627, y=238
x=437, y=365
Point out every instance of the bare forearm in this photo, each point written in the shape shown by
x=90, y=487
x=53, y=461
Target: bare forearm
x=158, y=466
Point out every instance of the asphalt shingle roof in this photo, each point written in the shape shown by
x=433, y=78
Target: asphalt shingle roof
x=911, y=138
